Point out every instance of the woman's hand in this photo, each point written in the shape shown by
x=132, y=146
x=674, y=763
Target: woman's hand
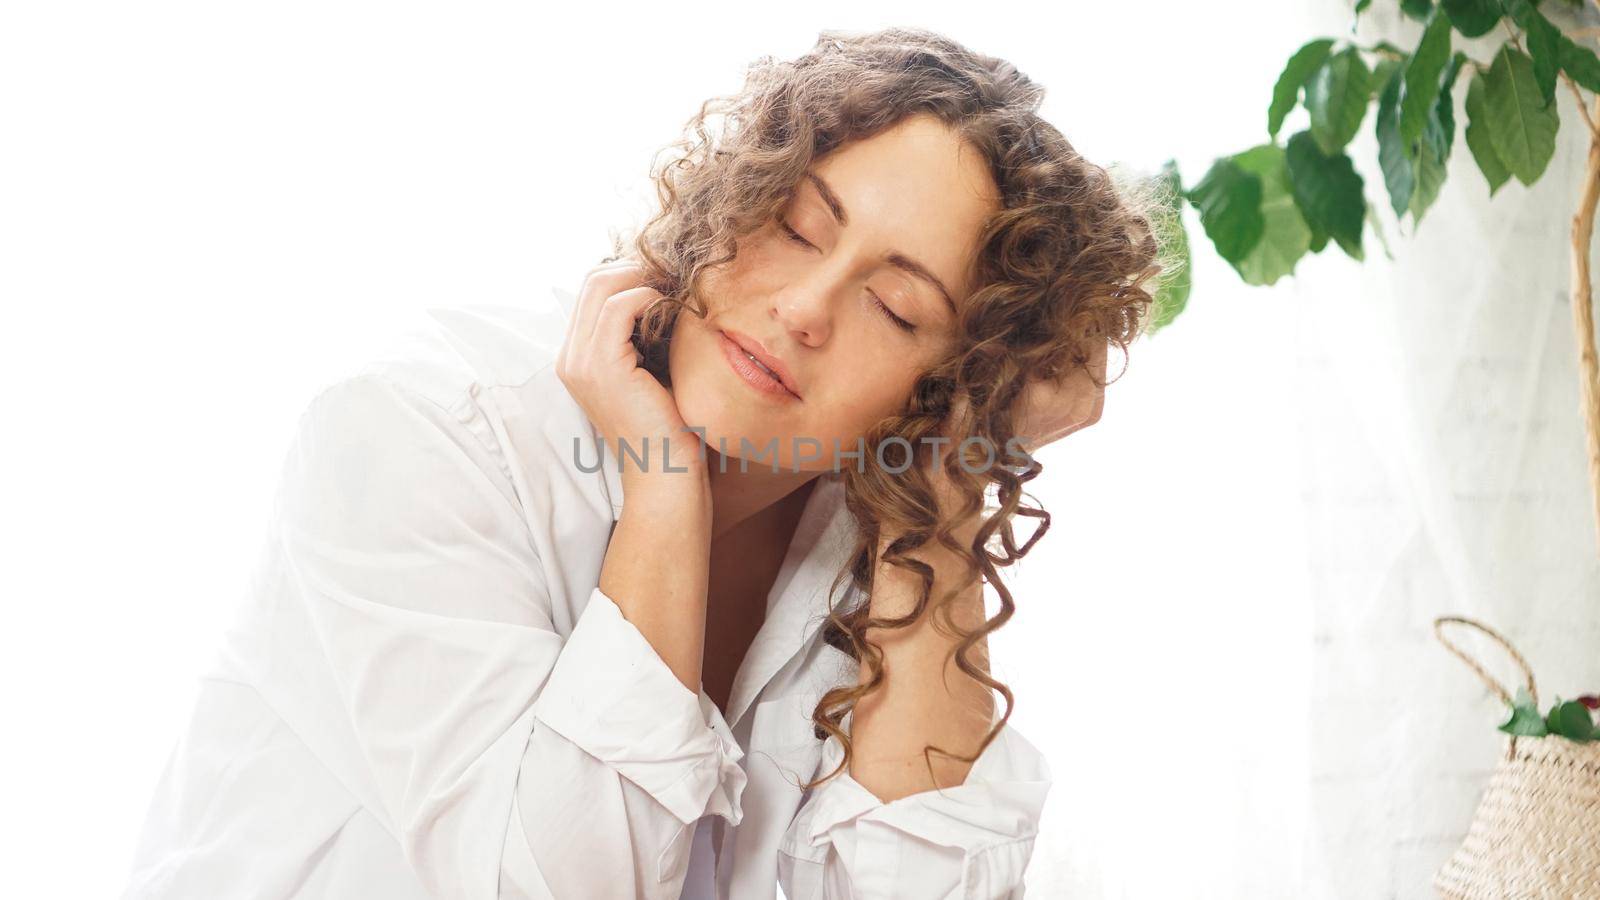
x=657, y=564
x=1048, y=412
x=600, y=367
x=1051, y=410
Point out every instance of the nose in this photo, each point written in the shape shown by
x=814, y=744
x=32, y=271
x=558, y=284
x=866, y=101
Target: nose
x=804, y=310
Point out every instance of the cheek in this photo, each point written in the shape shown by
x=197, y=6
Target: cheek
x=687, y=336
x=755, y=268
x=862, y=398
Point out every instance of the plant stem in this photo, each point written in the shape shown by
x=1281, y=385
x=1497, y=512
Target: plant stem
x=1583, y=317
x=1382, y=48
x=1583, y=109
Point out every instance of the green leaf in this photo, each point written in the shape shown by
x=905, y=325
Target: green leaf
x=1173, y=294
x=1473, y=18
x=1394, y=159
x=1430, y=156
x=1422, y=78
x=1570, y=719
x=1544, y=45
x=1301, y=66
x=1386, y=67
x=1385, y=70
x=1581, y=64
x=1478, y=140
x=1361, y=6
x=1553, y=51
x=1416, y=9
x=1521, y=126
x=1319, y=238
x=1552, y=722
x=1286, y=236
x=1327, y=190
x=1444, y=111
x=1525, y=721
x=1429, y=171
x=1337, y=97
x=1377, y=228
x=1229, y=201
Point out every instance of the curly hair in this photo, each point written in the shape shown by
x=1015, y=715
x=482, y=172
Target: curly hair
x=1062, y=264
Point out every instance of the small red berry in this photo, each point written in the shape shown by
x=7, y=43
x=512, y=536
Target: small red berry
x=1590, y=700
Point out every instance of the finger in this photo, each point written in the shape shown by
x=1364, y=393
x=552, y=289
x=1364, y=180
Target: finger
x=1090, y=401
x=1058, y=408
x=1098, y=367
x=621, y=262
x=1089, y=394
x=1099, y=407
x=1097, y=359
x=599, y=285
x=613, y=333
x=585, y=306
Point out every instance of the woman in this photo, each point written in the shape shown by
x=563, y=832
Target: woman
x=552, y=609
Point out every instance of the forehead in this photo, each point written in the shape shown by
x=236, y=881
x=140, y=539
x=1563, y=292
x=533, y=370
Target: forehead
x=916, y=188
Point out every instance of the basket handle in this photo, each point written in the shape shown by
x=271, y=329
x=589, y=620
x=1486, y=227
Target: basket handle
x=1498, y=638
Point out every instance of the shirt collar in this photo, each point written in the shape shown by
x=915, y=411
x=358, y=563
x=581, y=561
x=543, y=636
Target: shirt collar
x=798, y=602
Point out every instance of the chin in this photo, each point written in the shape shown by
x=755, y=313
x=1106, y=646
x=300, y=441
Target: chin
x=706, y=403
x=710, y=396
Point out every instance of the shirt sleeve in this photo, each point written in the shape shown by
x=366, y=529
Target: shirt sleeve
x=508, y=761
x=973, y=840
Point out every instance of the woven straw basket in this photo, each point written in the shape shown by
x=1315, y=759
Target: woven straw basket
x=1536, y=833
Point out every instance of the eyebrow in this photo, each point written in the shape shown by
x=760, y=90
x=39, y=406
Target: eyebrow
x=894, y=257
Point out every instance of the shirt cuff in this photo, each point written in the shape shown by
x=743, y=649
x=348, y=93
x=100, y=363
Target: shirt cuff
x=990, y=819
x=611, y=694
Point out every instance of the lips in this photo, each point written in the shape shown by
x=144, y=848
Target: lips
x=764, y=360
x=757, y=360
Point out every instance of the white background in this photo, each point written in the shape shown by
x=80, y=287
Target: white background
x=208, y=210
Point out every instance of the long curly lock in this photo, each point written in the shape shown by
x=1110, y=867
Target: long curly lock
x=1068, y=260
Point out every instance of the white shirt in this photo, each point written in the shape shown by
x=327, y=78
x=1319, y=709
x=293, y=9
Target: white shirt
x=425, y=693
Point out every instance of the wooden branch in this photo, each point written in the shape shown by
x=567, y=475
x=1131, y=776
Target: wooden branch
x=1583, y=318
x=1583, y=108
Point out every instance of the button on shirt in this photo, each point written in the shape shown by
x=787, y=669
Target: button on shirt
x=425, y=694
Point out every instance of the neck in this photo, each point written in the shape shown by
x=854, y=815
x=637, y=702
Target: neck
x=736, y=495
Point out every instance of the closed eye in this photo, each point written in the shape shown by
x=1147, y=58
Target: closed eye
x=794, y=235
x=900, y=323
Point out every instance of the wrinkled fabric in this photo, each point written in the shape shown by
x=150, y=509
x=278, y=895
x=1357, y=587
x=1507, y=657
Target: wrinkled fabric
x=424, y=693
x=971, y=840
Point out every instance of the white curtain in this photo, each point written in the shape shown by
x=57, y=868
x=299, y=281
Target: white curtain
x=1445, y=473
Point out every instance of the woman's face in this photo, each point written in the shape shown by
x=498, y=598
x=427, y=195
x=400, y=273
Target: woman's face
x=893, y=219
